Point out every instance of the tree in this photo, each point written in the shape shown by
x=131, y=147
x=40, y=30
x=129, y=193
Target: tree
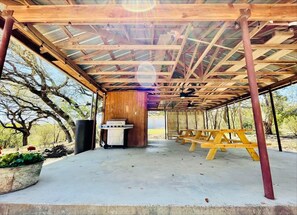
x=20, y=118
x=13, y=98
x=54, y=96
x=9, y=138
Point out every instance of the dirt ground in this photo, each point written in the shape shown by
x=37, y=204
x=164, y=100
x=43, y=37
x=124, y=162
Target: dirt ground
x=289, y=143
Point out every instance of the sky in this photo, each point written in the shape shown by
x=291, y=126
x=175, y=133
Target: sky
x=290, y=92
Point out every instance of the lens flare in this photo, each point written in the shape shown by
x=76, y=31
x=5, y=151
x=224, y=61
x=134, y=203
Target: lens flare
x=146, y=74
x=138, y=6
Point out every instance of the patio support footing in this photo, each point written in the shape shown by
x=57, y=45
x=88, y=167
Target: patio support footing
x=7, y=30
x=264, y=160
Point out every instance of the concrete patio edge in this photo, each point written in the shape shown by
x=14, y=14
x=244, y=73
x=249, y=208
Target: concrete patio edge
x=44, y=209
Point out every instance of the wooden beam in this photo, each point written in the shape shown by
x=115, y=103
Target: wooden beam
x=289, y=72
x=208, y=48
x=188, y=30
x=169, y=92
x=65, y=14
x=133, y=73
x=133, y=80
x=117, y=62
x=171, y=87
x=275, y=46
x=262, y=62
x=235, y=49
x=120, y=47
x=177, y=98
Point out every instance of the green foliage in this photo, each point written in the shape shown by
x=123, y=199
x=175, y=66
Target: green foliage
x=20, y=159
x=9, y=139
x=46, y=134
x=291, y=124
x=247, y=125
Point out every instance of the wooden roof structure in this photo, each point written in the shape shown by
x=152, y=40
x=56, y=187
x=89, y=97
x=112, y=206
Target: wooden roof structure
x=164, y=47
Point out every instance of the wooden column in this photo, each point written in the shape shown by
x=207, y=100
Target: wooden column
x=7, y=30
x=102, y=119
x=206, y=117
x=165, y=118
x=95, y=122
x=275, y=122
x=204, y=127
x=264, y=160
x=196, y=126
x=177, y=120
x=92, y=105
x=187, y=120
x=130, y=105
x=228, y=120
x=240, y=115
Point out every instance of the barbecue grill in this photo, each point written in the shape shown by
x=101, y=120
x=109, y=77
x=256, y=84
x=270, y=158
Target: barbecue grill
x=115, y=132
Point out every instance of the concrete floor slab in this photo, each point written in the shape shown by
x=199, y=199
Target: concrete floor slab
x=164, y=174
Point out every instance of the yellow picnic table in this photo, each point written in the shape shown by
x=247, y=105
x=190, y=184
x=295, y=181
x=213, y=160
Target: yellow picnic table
x=215, y=139
x=185, y=133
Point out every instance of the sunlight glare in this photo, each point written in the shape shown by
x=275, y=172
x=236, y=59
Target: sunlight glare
x=146, y=74
x=138, y=6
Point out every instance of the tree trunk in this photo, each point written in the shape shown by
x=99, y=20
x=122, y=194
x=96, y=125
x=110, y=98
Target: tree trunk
x=25, y=138
x=54, y=107
x=267, y=127
x=62, y=126
x=269, y=117
x=66, y=132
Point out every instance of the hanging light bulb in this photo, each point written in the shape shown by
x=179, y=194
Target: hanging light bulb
x=138, y=6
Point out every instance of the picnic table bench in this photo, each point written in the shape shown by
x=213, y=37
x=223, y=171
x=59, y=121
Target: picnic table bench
x=217, y=139
x=185, y=133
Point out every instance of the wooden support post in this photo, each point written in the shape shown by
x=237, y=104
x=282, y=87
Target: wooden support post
x=240, y=115
x=177, y=122
x=196, y=126
x=275, y=122
x=206, y=119
x=7, y=30
x=95, y=122
x=92, y=104
x=187, y=120
x=264, y=160
x=103, y=117
x=165, y=118
x=204, y=127
x=228, y=119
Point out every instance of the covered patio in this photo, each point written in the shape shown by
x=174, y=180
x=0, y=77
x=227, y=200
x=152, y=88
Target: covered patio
x=169, y=56
x=162, y=178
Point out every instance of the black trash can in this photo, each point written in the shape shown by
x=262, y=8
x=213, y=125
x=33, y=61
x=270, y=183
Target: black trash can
x=83, y=135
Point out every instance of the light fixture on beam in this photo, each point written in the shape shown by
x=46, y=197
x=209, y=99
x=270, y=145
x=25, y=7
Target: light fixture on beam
x=182, y=95
x=190, y=105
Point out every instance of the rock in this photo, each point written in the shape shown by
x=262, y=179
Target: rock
x=57, y=152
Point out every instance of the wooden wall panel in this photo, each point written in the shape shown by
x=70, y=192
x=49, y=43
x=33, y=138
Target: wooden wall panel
x=200, y=120
x=172, y=127
x=130, y=105
x=191, y=119
x=182, y=120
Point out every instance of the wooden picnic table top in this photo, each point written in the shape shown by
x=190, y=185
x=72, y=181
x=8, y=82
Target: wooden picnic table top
x=221, y=141
x=223, y=130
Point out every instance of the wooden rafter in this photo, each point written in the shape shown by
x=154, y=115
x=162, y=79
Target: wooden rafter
x=120, y=47
x=63, y=14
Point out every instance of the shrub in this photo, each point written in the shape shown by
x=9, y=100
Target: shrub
x=20, y=159
x=291, y=123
